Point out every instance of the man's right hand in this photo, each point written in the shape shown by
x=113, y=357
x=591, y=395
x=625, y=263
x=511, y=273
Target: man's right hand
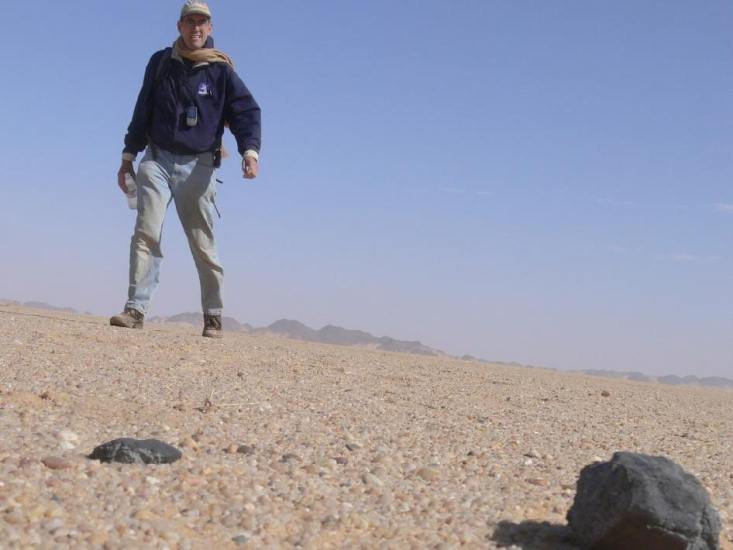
x=125, y=168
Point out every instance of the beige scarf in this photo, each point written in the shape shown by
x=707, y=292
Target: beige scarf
x=202, y=55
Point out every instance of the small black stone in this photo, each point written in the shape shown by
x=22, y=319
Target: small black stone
x=641, y=501
x=240, y=540
x=246, y=449
x=136, y=451
x=329, y=522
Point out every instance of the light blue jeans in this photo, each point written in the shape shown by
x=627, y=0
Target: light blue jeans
x=189, y=181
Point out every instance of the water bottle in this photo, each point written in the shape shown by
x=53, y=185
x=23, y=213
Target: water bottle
x=131, y=191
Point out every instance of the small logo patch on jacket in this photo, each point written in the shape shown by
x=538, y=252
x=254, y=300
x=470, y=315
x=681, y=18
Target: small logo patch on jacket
x=204, y=88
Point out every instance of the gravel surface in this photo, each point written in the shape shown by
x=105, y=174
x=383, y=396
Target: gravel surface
x=288, y=443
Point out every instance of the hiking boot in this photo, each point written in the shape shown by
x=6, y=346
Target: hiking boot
x=130, y=318
x=212, y=326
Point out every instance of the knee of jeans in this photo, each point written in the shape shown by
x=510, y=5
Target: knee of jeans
x=144, y=239
x=209, y=262
x=205, y=254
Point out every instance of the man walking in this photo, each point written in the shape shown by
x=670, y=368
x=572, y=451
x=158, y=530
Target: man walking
x=189, y=93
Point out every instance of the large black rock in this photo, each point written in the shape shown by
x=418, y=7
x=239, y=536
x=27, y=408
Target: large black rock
x=641, y=501
x=136, y=451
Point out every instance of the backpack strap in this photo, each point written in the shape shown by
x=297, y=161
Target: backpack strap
x=158, y=74
x=161, y=63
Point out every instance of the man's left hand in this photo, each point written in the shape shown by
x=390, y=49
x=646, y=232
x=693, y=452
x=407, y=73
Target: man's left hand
x=250, y=167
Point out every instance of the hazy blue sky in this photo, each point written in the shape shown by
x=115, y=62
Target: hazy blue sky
x=549, y=182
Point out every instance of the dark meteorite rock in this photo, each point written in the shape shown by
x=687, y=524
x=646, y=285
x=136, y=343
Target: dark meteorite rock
x=640, y=501
x=136, y=451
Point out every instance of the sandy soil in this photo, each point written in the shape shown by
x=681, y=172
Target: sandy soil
x=338, y=447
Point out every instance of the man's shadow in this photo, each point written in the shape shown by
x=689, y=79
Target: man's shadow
x=533, y=535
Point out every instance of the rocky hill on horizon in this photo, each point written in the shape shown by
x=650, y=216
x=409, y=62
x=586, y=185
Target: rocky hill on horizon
x=41, y=305
x=331, y=334
x=669, y=379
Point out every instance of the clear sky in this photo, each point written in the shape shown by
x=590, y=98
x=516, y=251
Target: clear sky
x=549, y=182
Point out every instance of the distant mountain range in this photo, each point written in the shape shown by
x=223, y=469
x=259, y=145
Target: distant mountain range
x=708, y=381
x=296, y=330
x=42, y=305
x=340, y=336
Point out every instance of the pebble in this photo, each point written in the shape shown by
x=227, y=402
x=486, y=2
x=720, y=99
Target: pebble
x=329, y=522
x=68, y=440
x=56, y=463
x=190, y=443
x=144, y=515
x=68, y=435
x=428, y=473
x=379, y=458
x=14, y=518
x=246, y=449
x=136, y=451
x=53, y=525
x=99, y=538
x=371, y=479
x=240, y=539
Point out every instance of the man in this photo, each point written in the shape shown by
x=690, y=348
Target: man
x=189, y=93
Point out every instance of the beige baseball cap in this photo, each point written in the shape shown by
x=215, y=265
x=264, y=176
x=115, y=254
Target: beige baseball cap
x=195, y=7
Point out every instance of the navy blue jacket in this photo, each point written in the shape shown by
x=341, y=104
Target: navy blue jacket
x=215, y=89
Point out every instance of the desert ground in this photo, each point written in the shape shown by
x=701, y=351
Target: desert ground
x=293, y=444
